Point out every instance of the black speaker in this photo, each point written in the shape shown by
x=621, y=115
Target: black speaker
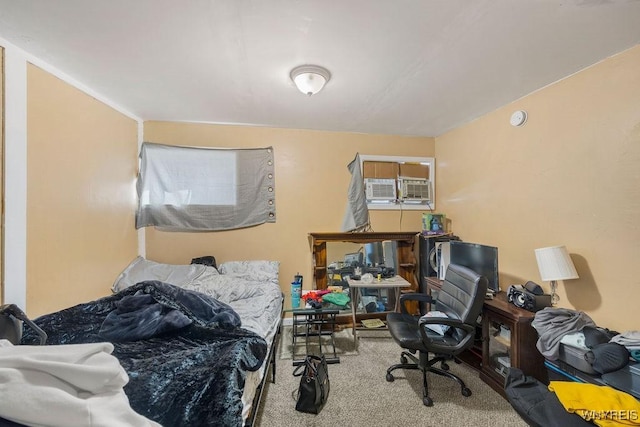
x=522, y=297
x=428, y=259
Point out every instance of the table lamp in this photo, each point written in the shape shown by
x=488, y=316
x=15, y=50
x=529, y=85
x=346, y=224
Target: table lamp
x=554, y=263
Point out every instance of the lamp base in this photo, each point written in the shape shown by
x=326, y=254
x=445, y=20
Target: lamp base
x=554, y=296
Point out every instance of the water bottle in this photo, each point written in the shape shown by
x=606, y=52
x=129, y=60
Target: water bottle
x=296, y=291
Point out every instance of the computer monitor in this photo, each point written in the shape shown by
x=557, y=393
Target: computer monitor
x=482, y=259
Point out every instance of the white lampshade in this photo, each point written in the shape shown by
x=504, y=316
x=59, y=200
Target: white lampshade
x=555, y=263
x=310, y=79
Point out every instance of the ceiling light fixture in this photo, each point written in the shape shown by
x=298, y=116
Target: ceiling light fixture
x=310, y=79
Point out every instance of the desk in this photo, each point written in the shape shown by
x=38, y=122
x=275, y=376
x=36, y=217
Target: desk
x=355, y=286
x=508, y=339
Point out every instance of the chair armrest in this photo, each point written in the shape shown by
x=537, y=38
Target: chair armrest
x=414, y=296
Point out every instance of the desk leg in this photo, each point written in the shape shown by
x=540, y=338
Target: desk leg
x=333, y=335
x=307, y=330
x=354, y=305
x=397, y=292
x=294, y=331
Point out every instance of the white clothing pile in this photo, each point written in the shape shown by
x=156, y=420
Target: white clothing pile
x=65, y=385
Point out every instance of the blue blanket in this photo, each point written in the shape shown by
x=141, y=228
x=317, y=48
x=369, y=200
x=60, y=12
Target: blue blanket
x=190, y=375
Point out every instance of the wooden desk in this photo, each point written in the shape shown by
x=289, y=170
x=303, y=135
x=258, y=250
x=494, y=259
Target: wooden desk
x=509, y=340
x=355, y=286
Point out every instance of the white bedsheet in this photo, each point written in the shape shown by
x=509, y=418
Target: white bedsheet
x=257, y=303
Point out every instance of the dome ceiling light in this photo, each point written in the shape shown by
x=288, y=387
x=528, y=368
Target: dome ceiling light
x=310, y=79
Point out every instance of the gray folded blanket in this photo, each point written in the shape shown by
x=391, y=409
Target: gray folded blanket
x=158, y=307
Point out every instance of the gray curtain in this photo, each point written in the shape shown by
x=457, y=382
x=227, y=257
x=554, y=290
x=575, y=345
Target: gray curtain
x=205, y=189
x=356, y=217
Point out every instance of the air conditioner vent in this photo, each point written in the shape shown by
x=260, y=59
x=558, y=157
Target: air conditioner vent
x=415, y=190
x=380, y=189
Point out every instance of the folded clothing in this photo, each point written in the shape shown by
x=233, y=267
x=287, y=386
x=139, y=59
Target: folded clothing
x=629, y=339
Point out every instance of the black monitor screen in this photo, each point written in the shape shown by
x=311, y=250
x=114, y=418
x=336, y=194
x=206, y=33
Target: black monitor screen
x=480, y=258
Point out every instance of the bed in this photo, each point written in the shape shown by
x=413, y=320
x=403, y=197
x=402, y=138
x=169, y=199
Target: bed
x=189, y=375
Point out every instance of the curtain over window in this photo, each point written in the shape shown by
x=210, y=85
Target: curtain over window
x=205, y=189
x=356, y=216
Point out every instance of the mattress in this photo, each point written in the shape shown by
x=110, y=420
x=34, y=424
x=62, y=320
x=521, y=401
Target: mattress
x=251, y=288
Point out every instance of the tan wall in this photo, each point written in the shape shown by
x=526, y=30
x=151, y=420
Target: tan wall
x=81, y=198
x=569, y=176
x=311, y=187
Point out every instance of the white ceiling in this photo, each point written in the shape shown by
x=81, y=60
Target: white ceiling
x=404, y=67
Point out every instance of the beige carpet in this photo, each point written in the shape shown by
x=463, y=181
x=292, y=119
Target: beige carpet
x=360, y=395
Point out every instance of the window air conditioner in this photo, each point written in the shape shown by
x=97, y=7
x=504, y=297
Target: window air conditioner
x=380, y=190
x=414, y=190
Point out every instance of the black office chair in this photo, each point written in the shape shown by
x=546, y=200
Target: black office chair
x=461, y=298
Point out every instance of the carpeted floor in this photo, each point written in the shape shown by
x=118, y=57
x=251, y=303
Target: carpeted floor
x=360, y=395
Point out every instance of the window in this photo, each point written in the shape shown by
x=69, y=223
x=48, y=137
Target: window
x=205, y=189
x=395, y=182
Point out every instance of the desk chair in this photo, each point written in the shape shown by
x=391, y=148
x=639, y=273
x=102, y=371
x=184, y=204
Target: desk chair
x=461, y=298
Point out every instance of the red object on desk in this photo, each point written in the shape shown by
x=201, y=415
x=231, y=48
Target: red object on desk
x=315, y=295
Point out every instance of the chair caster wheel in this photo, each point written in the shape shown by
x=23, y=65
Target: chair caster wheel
x=390, y=377
x=403, y=359
x=427, y=401
x=466, y=392
x=444, y=366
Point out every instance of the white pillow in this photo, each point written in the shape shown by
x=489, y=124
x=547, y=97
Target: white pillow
x=141, y=269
